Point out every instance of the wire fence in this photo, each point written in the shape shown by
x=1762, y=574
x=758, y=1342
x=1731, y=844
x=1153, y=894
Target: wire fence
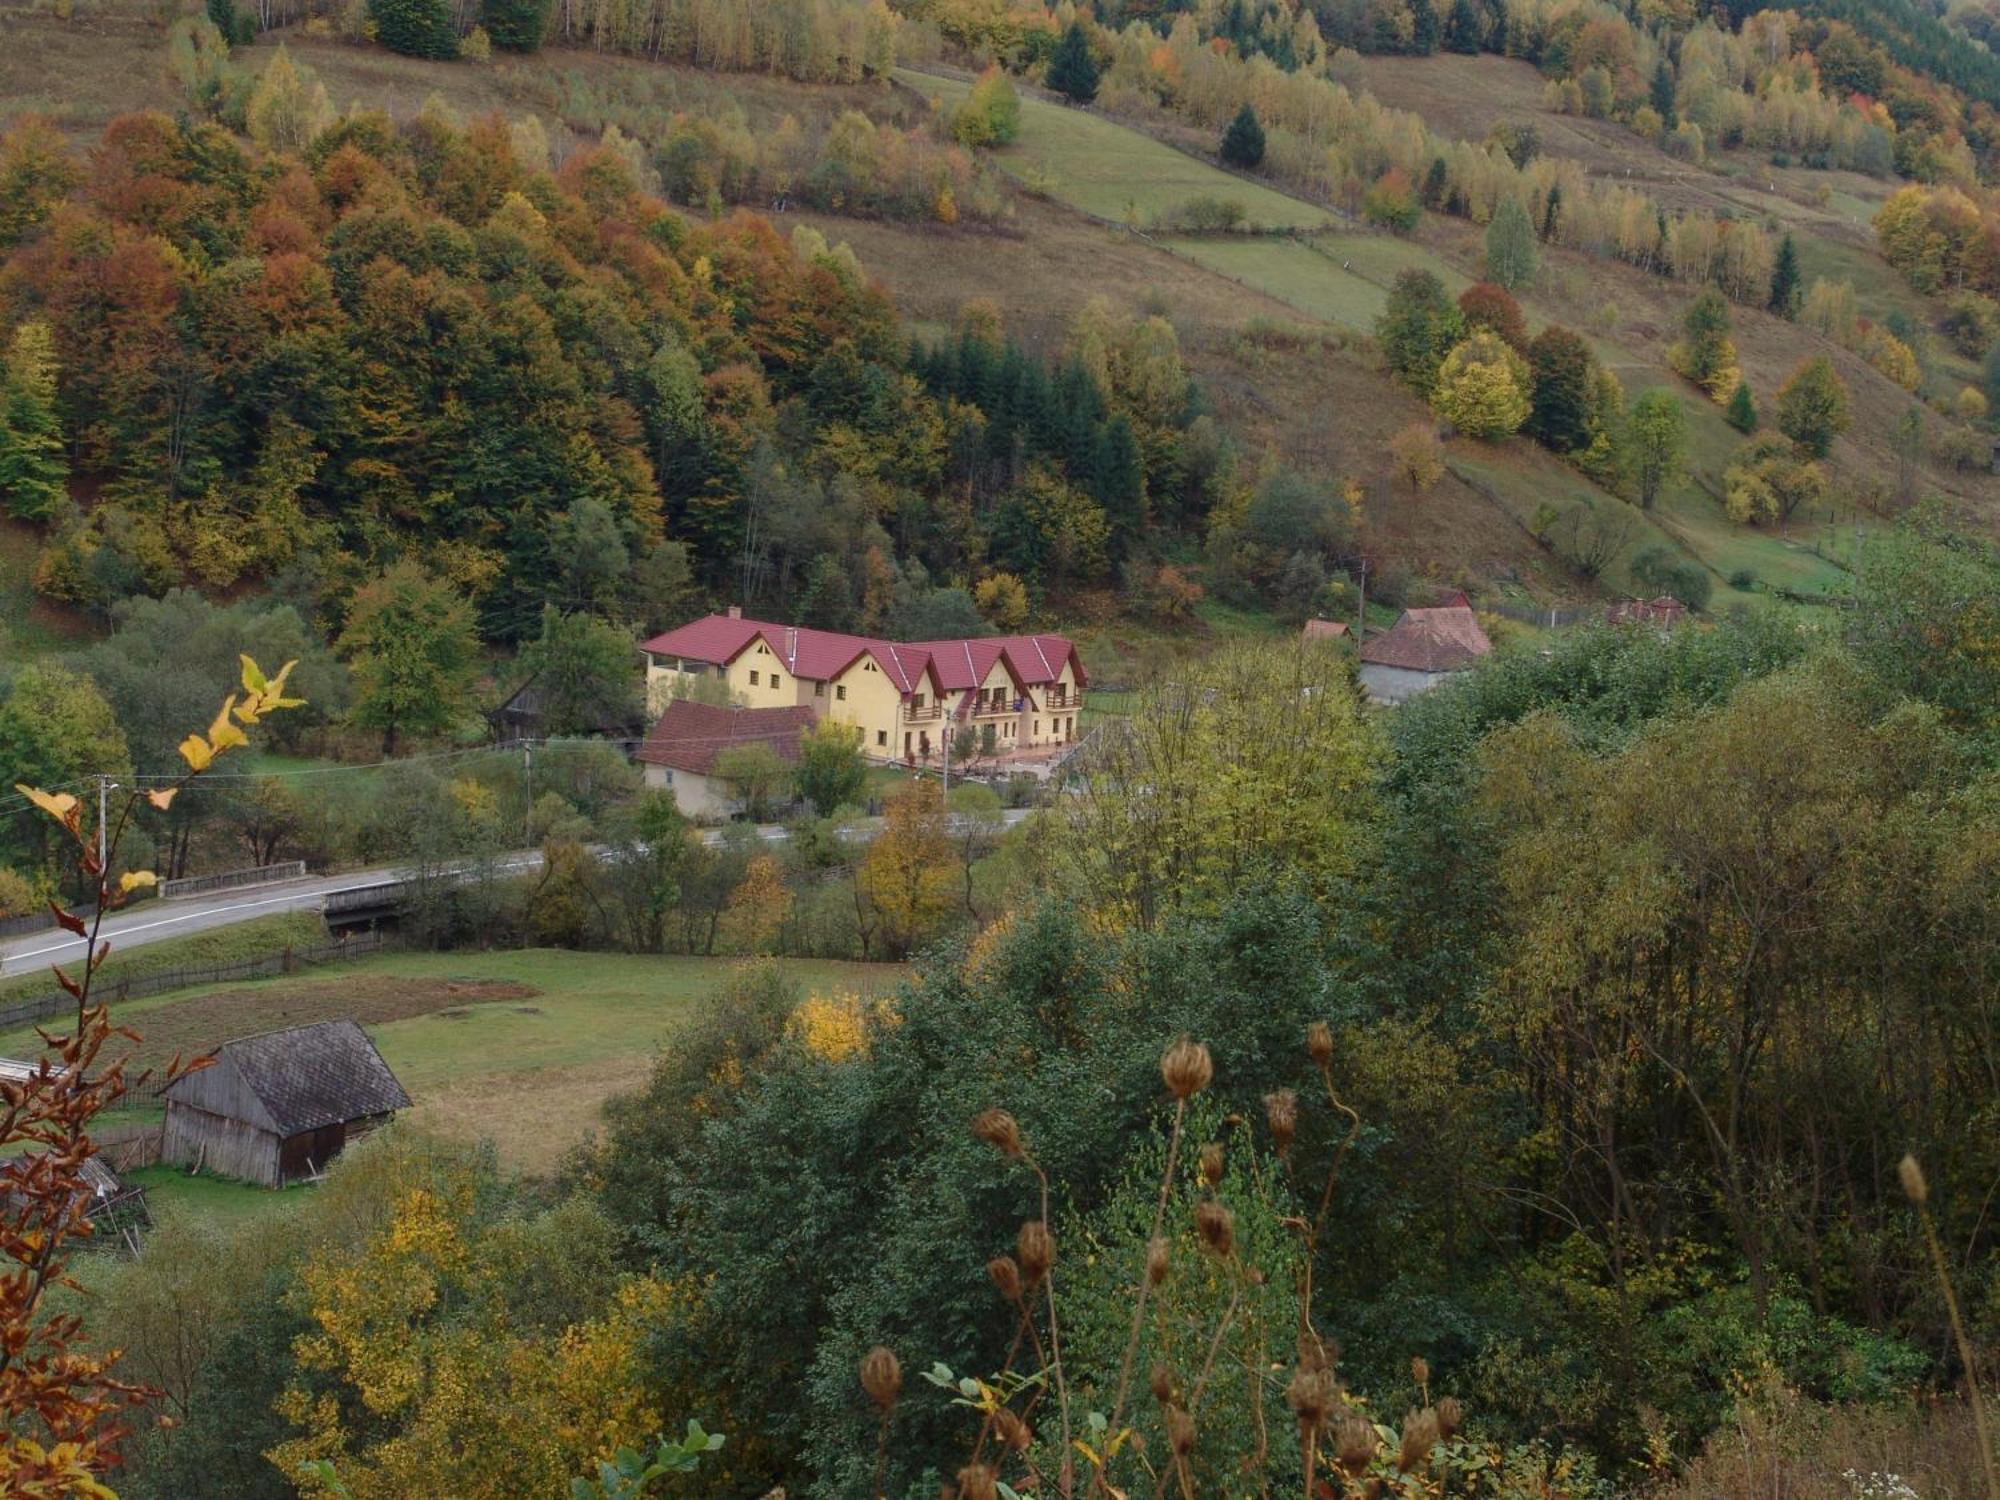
x=38, y=1008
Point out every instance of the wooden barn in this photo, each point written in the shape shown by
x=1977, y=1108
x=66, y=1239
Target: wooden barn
x=278, y=1107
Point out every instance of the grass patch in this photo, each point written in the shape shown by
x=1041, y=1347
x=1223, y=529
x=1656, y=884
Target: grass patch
x=1117, y=173
x=255, y=938
x=171, y=1192
x=1341, y=278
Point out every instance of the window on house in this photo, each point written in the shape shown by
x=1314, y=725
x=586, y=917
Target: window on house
x=819, y=689
x=916, y=700
x=666, y=776
x=753, y=677
x=841, y=692
x=777, y=681
x=882, y=737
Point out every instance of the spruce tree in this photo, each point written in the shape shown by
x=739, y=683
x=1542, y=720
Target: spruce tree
x=1463, y=31
x=1741, y=413
x=1072, y=70
x=34, y=472
x=1662, y=94
x=1496, y=32
x=416, y=28
x=515, y=25
x=1424, y=28
x=1552, y=212
x=1785, y=293
x=1243, y=141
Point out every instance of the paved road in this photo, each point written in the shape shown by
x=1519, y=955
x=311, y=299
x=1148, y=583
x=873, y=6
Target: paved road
x=158, y=920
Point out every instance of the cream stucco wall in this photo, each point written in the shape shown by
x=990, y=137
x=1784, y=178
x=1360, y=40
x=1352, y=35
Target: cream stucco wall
x=705, y=799
x=868, y=698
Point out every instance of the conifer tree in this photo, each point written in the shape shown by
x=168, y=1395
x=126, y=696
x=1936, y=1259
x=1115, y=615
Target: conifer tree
x=1661, y=94
x=515, y=25
x=33, y=469
x=1243, y=141
x=1463, y=32
x=417, y=28
x=1741, y=413
x=1424, y=27
x=1785, y=290
x=1072, y=70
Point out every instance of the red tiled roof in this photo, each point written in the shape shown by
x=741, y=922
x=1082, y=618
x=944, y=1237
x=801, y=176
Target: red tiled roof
x=1430, y=640
x=691, y=735
x=825, y=654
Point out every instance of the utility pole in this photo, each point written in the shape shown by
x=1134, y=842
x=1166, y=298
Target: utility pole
x=103, y=836
x=946, y=736
x=1361, y=608
x=528, y=790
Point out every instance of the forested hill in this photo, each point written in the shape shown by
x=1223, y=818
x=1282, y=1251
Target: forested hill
x=412, y=339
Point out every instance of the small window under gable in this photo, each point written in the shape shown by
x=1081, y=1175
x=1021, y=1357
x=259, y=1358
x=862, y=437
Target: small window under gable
x=753, y=677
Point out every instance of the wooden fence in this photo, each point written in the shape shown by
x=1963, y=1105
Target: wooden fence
x=34, y=921
x=39, y=1008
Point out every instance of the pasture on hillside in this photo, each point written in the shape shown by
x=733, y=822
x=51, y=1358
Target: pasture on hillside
x=1103, y=168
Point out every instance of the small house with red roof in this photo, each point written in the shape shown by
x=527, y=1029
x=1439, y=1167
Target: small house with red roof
x=680, y=752
x=1020, y=694
x=1661, y=614
x=1421, y=650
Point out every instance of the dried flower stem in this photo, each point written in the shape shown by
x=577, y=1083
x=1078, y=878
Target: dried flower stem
x=1145, y=1281
x=1985, y=1438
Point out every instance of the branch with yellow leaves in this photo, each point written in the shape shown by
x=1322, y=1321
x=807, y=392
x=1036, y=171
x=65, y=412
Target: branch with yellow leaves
x=61, y=1406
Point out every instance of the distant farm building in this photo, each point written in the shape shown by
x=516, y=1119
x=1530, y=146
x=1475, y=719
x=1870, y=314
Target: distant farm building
x=278, y=1107
x=1421, y=650
x=1325, y=630
x=115, y=1210
x=680, y=752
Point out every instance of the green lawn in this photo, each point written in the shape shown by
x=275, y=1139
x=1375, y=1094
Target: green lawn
x=1341, y=278
x=171, y=1191
x=1117, y=173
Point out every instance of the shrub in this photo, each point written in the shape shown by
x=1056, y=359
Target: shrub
x=1417, y=456
x=991, y=114
x=1391, y=202
x=477, y=46
x=1966, y=450
x=1204, y=215
x=1744, y=579
x=1704, y=353
x=1969, y=405
x=1971, y=322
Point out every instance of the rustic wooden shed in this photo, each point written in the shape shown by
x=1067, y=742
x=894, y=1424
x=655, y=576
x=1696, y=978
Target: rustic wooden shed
x=280, y=1106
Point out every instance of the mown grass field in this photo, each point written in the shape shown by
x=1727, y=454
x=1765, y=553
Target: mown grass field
x=1343, y=279
x=1103, y=168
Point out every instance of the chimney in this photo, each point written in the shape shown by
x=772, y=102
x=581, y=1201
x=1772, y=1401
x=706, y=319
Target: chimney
x=735, y=611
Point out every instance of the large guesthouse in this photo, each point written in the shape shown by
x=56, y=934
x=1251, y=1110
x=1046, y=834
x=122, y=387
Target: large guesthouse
x=1018, y=693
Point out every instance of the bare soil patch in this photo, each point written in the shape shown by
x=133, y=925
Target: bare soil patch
x=202, y=1023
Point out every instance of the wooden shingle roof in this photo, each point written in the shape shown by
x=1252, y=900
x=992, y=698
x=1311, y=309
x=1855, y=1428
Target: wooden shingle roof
x=295, y=1080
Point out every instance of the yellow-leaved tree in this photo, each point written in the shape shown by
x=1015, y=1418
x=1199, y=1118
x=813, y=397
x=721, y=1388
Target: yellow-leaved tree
x=1483, y=386
x=62, y=1403
x=425, y=1381
x=908, y=880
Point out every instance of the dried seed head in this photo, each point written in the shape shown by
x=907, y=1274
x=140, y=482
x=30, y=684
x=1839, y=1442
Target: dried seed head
x=1311, y=1395
x=1011, y=1430
x=1319, y=1043
x=1156, y=1262
x=1211, y=1163
x=1217, y=1227
x=978, y=1482
x=1005, y=1274
x=1186, y=1068
x=1919, y=1191
x=1313, y=1352
x=999, y=1130
x=881, y=1377
x=1451, y=1416
x=1358, y=1445
x=1372, y=1490
x=1035, y=1249
x=1180, y=1431
x=1420, y=1435
x=1281, y=1113
x=1420, y=1371
x=1162, y=1384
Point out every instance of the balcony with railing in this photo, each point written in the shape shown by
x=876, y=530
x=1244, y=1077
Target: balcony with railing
x=928, y=713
